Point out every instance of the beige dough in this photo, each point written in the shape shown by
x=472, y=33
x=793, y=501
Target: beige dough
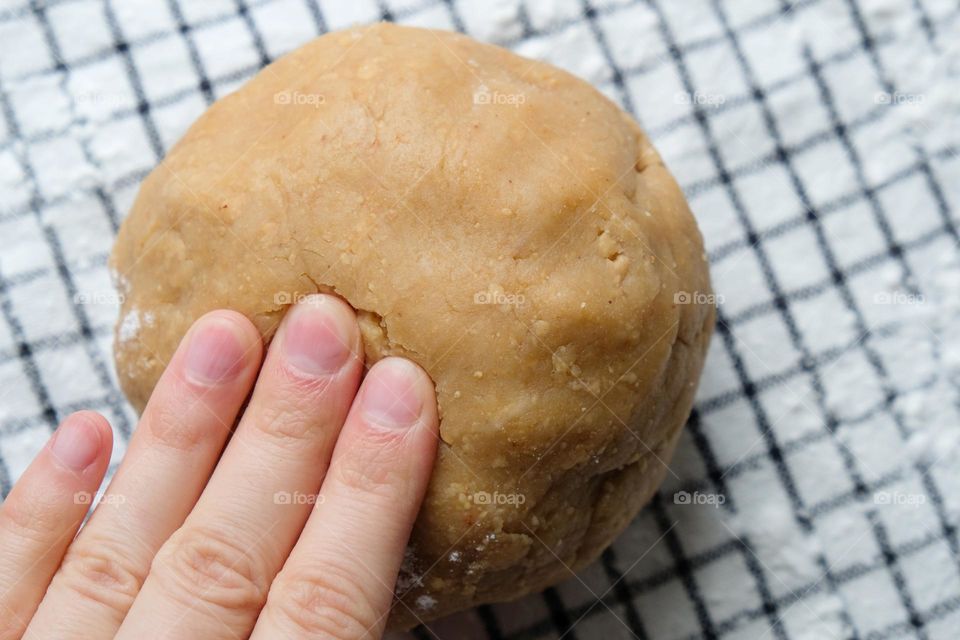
x=494, y=219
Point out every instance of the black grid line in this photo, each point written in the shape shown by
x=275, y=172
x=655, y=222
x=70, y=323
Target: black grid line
x=766, y=427
x=24, y=349
x=559, y=614
x=618, y=78
x=39, y=10
x=693, y=188
x=930, y=487
x=697, y=562
x=529, y=32
x=872, y=355
x=849, y=460
x=623, y=593
x=490, y=624
x=683, y=568
x=204, y=84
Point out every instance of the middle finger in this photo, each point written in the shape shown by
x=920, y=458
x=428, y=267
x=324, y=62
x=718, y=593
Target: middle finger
x=211, y=578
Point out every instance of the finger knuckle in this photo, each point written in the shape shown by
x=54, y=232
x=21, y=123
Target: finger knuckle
x=174, y=424
x=199, y=563
x=287, y=425
x=29, y=520
x=332, y=603
x=291, y=417
x=372, y=470
x=99, y=572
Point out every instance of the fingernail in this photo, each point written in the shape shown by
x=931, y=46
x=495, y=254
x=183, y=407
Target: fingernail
x=76, y=444
x=214, y=354
x=317, y=336
x=390, y=397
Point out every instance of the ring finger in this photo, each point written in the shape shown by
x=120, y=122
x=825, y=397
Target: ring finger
x=211, y=578
x=169, y=459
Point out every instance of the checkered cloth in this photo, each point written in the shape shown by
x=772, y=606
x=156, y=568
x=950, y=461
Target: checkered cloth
x=816, y=491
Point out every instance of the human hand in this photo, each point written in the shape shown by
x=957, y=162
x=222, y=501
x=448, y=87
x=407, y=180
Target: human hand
x=297, y=530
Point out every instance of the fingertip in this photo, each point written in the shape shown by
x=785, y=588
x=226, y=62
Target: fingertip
x=398, y=393
x=221, y=345
x=421, y=383
x=333, y=304
x=320, y=336
x=247, y=332
x=428, y=391
x=81, y=441
x=97, y=421
x=242, y=322
x=337, y=304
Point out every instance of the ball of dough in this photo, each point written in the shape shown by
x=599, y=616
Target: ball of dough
x=490, y=217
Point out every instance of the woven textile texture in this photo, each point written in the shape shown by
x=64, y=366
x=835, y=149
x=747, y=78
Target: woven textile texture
x=816, y=490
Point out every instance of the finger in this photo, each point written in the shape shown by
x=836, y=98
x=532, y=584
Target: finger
x=339, y=579
x=43, y=512
x=169, y=460
x=211, y=578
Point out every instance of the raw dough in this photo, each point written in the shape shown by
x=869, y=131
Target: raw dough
x=494, y=219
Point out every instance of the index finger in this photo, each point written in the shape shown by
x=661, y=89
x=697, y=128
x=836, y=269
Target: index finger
x=339, y=579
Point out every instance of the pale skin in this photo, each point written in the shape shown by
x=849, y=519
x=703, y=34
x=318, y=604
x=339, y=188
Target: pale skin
x=294, y=528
